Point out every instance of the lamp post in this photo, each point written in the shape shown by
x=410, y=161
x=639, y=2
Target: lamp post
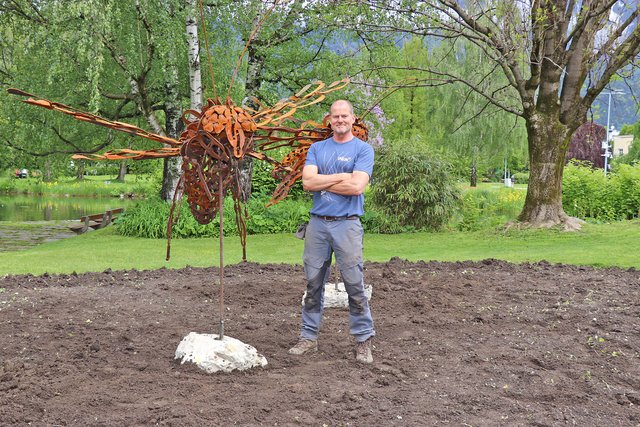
x=606, y=145
x=607, y=153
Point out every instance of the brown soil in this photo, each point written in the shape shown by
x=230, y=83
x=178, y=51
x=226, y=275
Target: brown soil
x=486, y=343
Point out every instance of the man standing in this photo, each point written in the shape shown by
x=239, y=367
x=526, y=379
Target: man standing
x=337, y=171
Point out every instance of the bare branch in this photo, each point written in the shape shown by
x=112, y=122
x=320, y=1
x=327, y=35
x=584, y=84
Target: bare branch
x=151, y=47
x=584, y=18
x=75, y=149
x=621, y=56
x=473, y=117
x=446, y=78
x=605, y=49
x=506, y=54
x=31, y=14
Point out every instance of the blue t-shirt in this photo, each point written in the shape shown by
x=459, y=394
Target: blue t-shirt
x=332, y=157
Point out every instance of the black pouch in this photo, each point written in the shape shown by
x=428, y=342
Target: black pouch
x=302, y=229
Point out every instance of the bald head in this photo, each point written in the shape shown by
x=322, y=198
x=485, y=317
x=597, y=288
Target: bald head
x=343, y=102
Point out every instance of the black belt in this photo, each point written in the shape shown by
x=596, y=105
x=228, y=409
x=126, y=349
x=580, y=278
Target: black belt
x=336, y=218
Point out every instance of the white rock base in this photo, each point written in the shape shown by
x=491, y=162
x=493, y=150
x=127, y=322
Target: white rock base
x=335, y=295
x=213, y=355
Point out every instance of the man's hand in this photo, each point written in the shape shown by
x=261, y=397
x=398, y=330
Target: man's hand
x=313, y=181
x=346, y=184
x=354, y=186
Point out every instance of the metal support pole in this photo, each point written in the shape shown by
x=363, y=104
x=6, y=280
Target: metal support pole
x=606, y=150
x=607, y=153
x=221, y=238
x=505, y=170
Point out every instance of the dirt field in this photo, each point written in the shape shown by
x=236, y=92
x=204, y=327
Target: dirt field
x=462, y=344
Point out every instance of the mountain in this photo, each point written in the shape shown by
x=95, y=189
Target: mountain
x=624, y=109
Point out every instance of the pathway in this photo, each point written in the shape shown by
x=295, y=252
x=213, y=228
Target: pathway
x=24, y=235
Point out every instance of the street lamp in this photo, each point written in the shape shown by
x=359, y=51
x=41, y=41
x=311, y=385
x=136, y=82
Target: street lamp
x=607, y=144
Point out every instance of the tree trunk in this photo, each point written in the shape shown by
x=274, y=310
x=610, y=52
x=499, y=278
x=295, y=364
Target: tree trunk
x=474, y=163
x=173, y=108
x=173, y=113
x=193, y=52
x=170, y=177
x=79, y=171
x=143, y=102
x=474, y=174
x=47, y=176
x=255, y=65
x=543, y=203
x=122, y=171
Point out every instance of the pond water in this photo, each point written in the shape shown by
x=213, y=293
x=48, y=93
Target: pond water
x=33, y=208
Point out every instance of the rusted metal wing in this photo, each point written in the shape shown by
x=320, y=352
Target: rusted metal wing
x=128, y=154
x=92, y=118
x=309, y=95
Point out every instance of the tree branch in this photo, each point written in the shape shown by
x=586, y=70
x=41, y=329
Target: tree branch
x=448, y=78
x=584, y=19
x=621, y=56
x=12, y=6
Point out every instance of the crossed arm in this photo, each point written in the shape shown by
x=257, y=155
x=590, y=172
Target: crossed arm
x=346, y=184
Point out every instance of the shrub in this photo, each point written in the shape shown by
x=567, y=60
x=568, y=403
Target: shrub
x=583, y=189
x=586, y=144
x=374, y=221
x=626, y=191
x=588, y=193
x=521, y=178
x=413, y=186
x=263, y=184
x=149, y=218
x=488, y=208
x=8, y=185
x=283, y=217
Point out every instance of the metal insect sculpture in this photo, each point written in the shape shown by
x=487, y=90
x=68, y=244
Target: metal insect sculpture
x=214, y=143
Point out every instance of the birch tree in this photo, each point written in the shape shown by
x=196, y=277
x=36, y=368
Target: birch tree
x=193, y=54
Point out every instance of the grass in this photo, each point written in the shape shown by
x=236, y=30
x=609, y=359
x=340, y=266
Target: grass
x=600, y=245
x=490, y=186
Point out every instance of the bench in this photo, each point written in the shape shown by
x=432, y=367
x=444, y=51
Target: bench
x=95, y=221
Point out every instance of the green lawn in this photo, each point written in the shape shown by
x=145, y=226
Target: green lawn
x=600, y=245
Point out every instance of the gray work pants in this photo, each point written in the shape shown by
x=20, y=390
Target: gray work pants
x=344, y=238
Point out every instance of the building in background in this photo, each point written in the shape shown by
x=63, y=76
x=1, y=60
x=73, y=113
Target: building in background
x=621, y=144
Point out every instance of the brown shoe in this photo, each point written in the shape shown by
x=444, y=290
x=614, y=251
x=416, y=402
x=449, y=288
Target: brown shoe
x=363, y=352
x=304, y=346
